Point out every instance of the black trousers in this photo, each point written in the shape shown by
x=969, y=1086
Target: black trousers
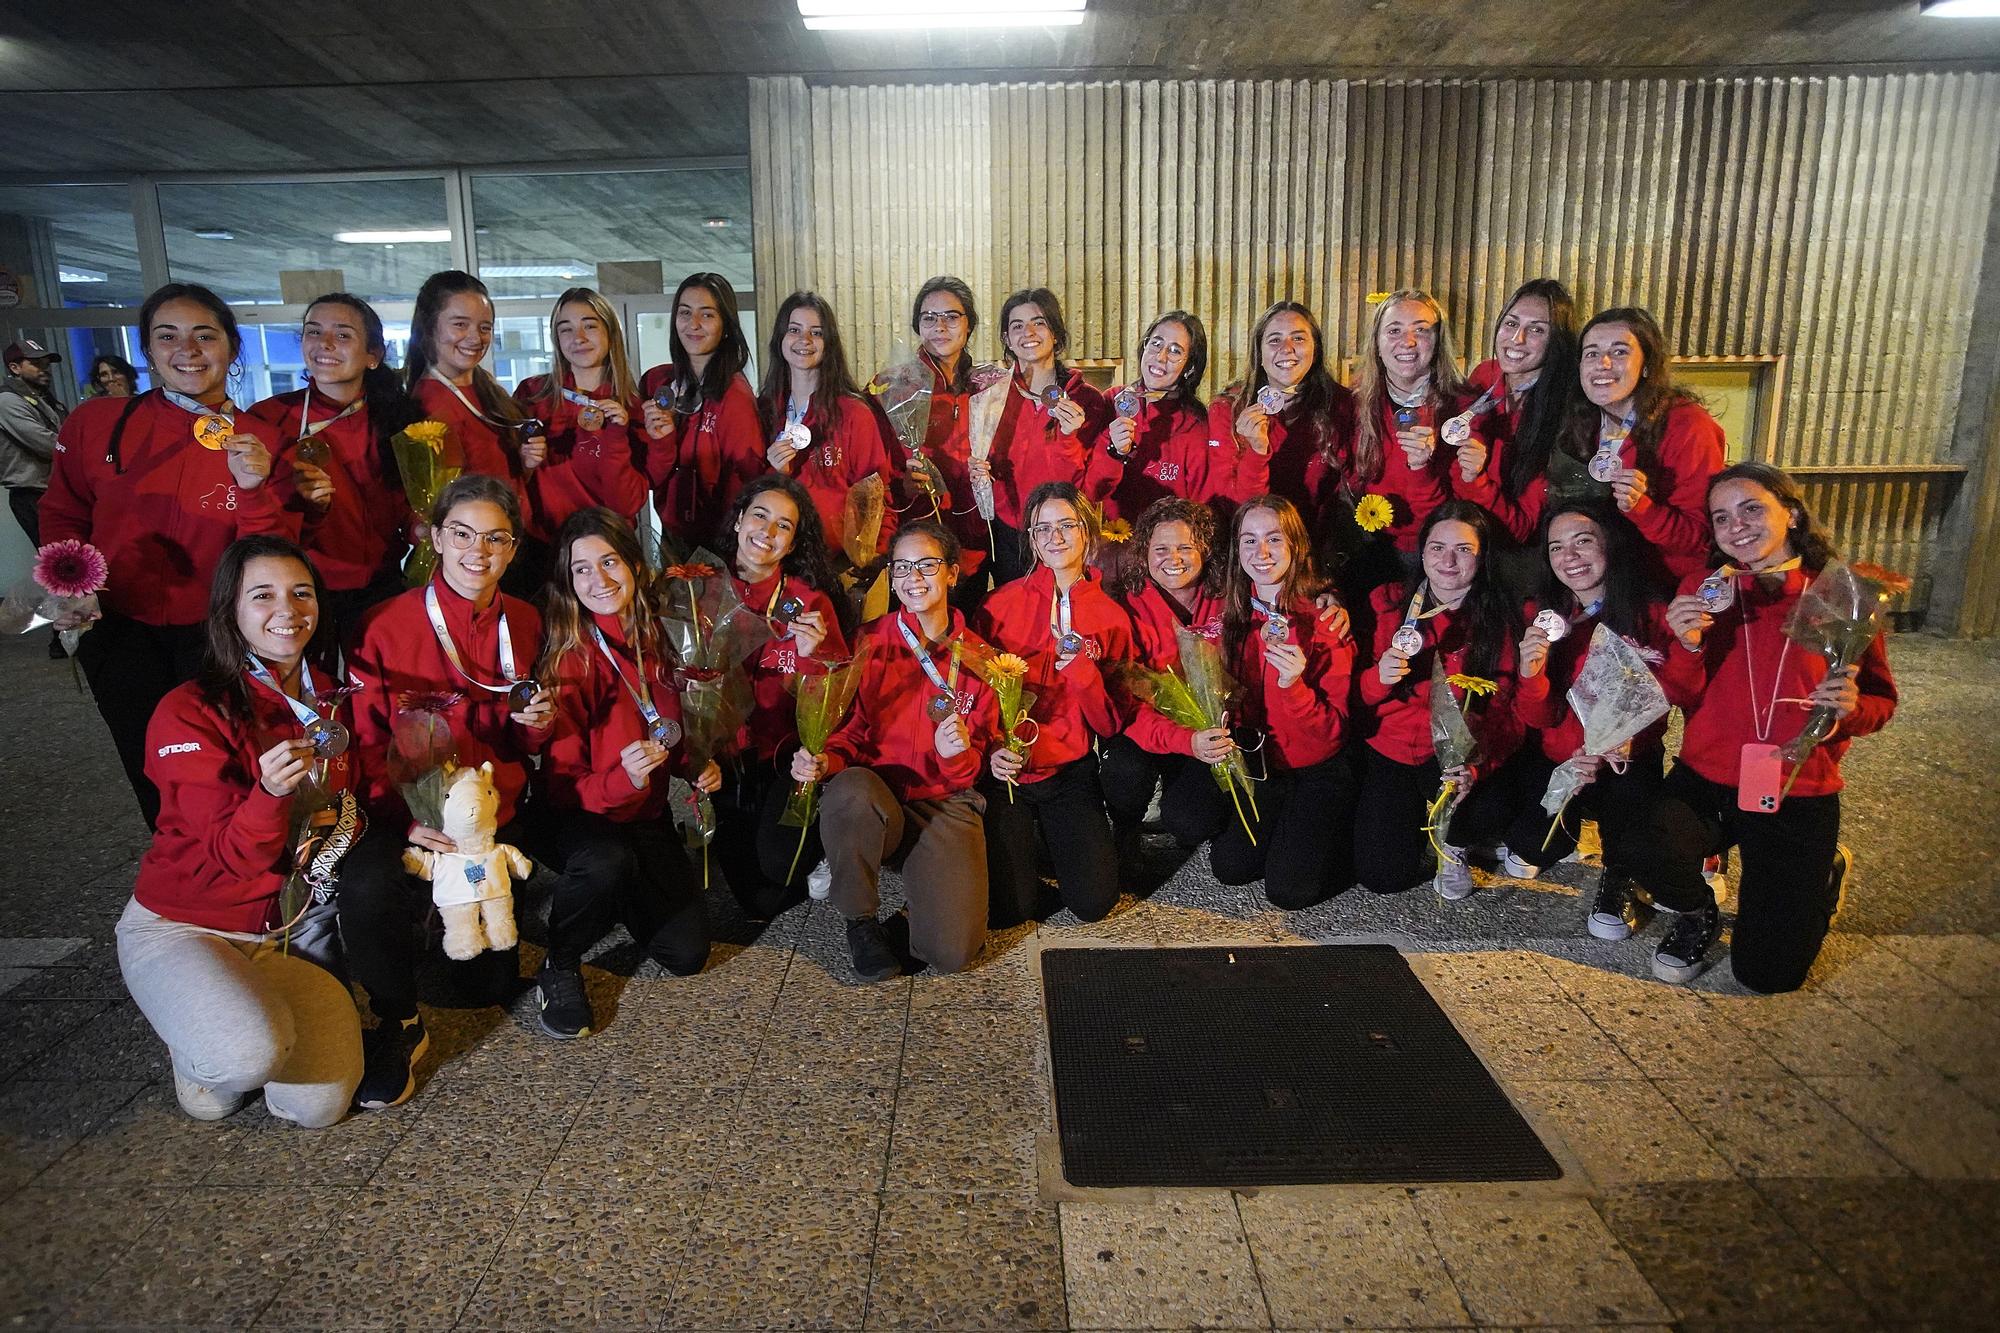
x=1391, y=852
x=1621, y=803
x=1066, y=809
x=1192, y=805
x=26, y=502
x=637, y=873
x=1004, y=564
x=1784, y=891
x=343, y=609
x=1304, y=826
x=131, y=666
x=755, y=850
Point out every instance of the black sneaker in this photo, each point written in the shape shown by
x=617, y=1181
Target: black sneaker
x=1683, y=954
x=389, y=1070
x=868, y=946
x=564, y=1004
x=1616, y=911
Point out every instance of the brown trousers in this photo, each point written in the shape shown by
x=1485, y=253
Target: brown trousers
x=940, y=846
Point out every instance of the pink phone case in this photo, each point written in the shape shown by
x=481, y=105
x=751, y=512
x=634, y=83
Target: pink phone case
x=1759, y=779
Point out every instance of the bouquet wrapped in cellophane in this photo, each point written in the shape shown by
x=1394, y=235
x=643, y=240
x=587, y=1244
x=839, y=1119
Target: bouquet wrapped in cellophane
x=861, y=520
x=421, y=750
x=419, y=449
x=904, y=391
x=712, y=633
x=1006, y=674
x=1197, y=696
x=1839, y=614
x=1452, y=742
x=1615, y=697
x=64, y=581
x=823, y=699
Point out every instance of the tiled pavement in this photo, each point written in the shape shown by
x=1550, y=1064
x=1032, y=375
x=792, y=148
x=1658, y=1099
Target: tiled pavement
x=767, y=1146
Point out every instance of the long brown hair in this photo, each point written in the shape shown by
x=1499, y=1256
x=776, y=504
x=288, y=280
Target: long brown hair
x=731, y=354
x=1657, y=395
x=221, y=678
x=1810, y=542
x=566, y=625
x=836, y=380
x=617, y=365
x=1371, y=379
x=439, y=288
x=1301, y=579
x=1322, y=405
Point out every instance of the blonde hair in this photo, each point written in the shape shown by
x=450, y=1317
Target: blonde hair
x=1371, y=379
x=617, y=365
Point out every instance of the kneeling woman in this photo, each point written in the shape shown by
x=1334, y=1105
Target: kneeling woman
x=1459, y=615
x=1296, y=671
x=1747, y=690
x=202, y=945
x=1062, y=623
x=903, y=769
x=617, y=741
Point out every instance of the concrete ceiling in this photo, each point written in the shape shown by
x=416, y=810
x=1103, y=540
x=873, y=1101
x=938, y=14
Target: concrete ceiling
x=129, y=85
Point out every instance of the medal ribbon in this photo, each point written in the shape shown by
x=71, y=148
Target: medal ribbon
x=451, y=649
x=948, y=687
x=1611, y=440
x=642, y=694
x=1059, y=614
x=459, y=394
x=200, y=409
x=262, y=674
x=307, y=431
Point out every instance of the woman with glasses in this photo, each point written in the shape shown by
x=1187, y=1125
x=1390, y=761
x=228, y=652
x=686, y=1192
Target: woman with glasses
x=1157, y=445
x=702, y=439
x=469, y=648
x=1044, y=786
x=902, y=771
x=944, y=317
x=587, y=405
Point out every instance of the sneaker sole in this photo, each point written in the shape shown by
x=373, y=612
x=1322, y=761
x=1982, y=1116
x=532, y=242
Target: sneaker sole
x=1453, y=897
x=1609, y=928
x=410, y=1088
x=1678, y=973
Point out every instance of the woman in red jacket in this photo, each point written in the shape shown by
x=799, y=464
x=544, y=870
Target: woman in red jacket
x=1460, y=616
x=335, y=464
x=1640, y=438
x=1592, y=575
x=587, y=405
x=775, y=551
x=1747, y=690
x=241, y=756
x=902, y=771
x=1525, y=389
x=944, y=318
x=1158, y=444
x=1291, y=421
x=615, y=745
x=1038, y=425
x=1297, y=673
x=1406, y=386
x=821, y=429
x=161, y=484
x=702, y=437
x=1178, y=587
x=1061, y=622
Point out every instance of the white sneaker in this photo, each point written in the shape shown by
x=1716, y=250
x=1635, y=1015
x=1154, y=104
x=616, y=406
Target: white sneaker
x=819, y=883
x=1454, y=877
x=1513, y=867
x=205, y=1103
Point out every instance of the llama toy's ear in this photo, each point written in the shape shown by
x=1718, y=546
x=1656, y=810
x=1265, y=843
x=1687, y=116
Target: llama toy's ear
x=487, y=768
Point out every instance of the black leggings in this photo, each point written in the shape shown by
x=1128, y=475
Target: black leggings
x=1784, y=891
x=1621, y=803
x=1067, y=809
x=635, y=872
x=1304, y=826
x=1392, y=853
x=1193, y=806
x=131, y=666
x=755, y=850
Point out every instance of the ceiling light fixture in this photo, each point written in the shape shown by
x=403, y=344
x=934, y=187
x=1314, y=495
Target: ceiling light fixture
x=1960, y=9
x=424, y=236
x=715, y=224
x=533, y=271
x=215, y=233
x=839, y=15
x=67, y=275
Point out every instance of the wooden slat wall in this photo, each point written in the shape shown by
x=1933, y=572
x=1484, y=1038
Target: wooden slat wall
x=1839, y=221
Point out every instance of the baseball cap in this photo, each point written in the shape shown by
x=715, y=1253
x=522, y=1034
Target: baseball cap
x=27, y=350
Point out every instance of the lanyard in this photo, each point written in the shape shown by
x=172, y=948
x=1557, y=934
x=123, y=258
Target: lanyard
x=308, y=429
x=1408, y=404
x=1067, y=639
x=1277, y=625
x=459, y=394
x=1762, y=725
x=1408, y=639
x=300, y=710
x=225, y=409
x=658, y=728
x=451, y=649
x=1610, y=438
x=949, y=687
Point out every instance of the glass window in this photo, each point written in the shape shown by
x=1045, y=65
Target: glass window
x=78, y=237
x=379, y=238
x=273, y=362
x=520, y=348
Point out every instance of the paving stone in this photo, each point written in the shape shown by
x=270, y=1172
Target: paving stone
x=1521, y=1261
x=1181, y=1261
x=1811, y=1034
x=1542, y=1041
x=116, y=1043
x=277, y=1152
x=1903, y=1245
x=1954, y=1036
x=499, y=1134
x=1968, y=964
x=631, y=1135
x=968, y=1136
x=1925, y=1122
x=587, y=1260
x=1368, y=1260
x=1623, y=1130
x=777, y=1259
x=1778, y=1127
x=973, y=1045
x=39, y=1122
x=148, y=1140
x=29, y=1027
x=845, y=1045
x=1496, y=978
x=966, y=1261
x=55, y=1242
x=1677, y=1035
x=809, y=1134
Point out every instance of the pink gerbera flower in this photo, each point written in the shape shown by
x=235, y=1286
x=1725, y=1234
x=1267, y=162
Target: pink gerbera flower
x=71, y=569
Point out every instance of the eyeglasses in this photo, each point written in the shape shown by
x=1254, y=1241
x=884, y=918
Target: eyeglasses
x=1068, y=527
x=461, y=538
x=927, y=567
x=949, y=319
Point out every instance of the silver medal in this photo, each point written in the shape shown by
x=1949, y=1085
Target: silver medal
x=1272, y=399
x=1277, y=629
x=1457, y=430
x=1126, y=404
x=327, y=737
x=1717, y=592
x=1052, y=396
x=1552, y=623
x=1603, y=466
x=664, y=731
x=521, y=694
x=1407, y=640
x=941, y=707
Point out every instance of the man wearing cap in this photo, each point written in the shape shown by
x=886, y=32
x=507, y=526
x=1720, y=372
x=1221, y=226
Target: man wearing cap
x=29, y=418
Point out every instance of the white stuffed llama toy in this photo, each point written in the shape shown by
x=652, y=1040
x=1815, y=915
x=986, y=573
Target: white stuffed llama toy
x=472, y=888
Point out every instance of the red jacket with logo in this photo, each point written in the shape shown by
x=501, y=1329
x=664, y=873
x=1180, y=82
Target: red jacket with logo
x=584, y=467
x=1397, y=717
x=1673, y=513
x=1304, y=468
x=947, y=443
x=1028, y=449
x=844, y=453
x=1497, y=426
x=162, y=513
x=1174, y=453
x=1074, y=704
x=223, y=848
x=773, y=721
x=474, y=443
x=1156, y=624
x=1542, y=702
x=889, y=729
x=1413, y=492
x=1305, y=723
x=596, y=718
x=362, y=528
x=696, y=471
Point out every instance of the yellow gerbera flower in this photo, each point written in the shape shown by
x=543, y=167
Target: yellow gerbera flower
x=430, y=434
x=1374, y=513
x=1471, y=684
x=1007, y=664
x=1117, y=530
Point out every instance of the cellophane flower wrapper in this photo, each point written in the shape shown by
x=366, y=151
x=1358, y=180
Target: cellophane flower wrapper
x=66, y=578
x=695, y=814
x=861, y=519
x=1006, y=674
x=1454, y=745
x=823, y=699
x=1615, y=697
x=420, y=458
x=904, y=391
x=1838, y=615
x=421, y=749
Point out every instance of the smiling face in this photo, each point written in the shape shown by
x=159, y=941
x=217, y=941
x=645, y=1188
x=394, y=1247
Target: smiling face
x=805, y=339
x=276, y=608
x=1262, y=549
x=1451, y=558
x=1173, y=558
x=920, y=574
x=1611, y=366
x=698, y=321
x=581, y=336
x=764, y=534
x=1753, y=527
x=1522, y=341
x=1577, y=555
x=1406, y=340
x=188, y=349
x=334, y=342
x=1060, y=540
x=463, y=333
x=599, y=576
x=1286, y=349
x=1165, y=355
x=942, y=325
x=1028, y=336
x=475, y=569
x=113, y=382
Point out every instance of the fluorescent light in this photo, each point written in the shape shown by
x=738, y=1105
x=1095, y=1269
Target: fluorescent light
x=1962, y=9
x=215, y=233
x=838, y=15
x=715, y=224
x=533, y=271
x=433, y=235
x=66, y=275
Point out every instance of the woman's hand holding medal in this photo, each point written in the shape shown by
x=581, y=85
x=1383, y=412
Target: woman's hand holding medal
x=1628, y=487
x=659, y=422
x=1471, y=458
x=1418, y=443
x=1688, y=618
x=951, y=738
x=1395, y=665
x=314, y=486
x=808, y=631
x=1288, y=658
x=639, y=759
x=1253, y=428
x=539, y=712
x=1534, y=652
x=534, y=451
x=284, y=766
x=1068, y=415
x=249, y=461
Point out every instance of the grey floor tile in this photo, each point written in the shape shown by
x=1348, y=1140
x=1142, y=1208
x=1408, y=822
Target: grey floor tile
x=807, y=1134
x=1180, y=1261
x=501, y=1134
x=632, y=1135
x=968, y=1136
x=778, y=1259
x=1365, y=1260
x=1909, y=1249
x=972, y=1045
x=966, y=1261
x=1926, y=1122
x=1778, y=1127
x=1811, y=1034
x=1541, y=1041
x=1968, y=964
x=40, y=1121
x=1675, y=1035
x=843, y=1045
x=1954, y=1036
x=1623, y=1130
x=599, y=1259
x=277, y=1152
x=29, y=1027
x=1500, y=977
x=55, y=1242
x=148, y=1141
x=1521, y=1261
x=116, y=1043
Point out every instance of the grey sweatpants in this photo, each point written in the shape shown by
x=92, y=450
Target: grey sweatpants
x=238, y=1014
x=941, y=847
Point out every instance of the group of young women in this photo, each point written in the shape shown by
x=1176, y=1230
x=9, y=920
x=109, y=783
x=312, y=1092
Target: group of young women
x=1340, y=553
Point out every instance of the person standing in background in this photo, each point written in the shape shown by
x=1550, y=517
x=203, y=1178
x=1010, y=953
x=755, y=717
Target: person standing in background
x=110, y=377
x=30, y=416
